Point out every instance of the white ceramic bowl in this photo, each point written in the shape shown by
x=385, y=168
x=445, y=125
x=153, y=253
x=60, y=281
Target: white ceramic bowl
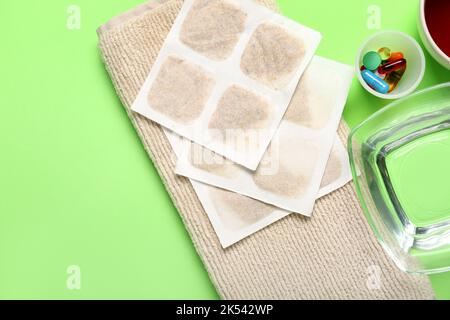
x=428, y=41
x=396, y=41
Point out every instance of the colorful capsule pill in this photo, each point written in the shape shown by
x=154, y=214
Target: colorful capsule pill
x=389, y=67
x=375, y=82
x=384, y=53
x=371, y=60
x=394, y=78
x=395, y=56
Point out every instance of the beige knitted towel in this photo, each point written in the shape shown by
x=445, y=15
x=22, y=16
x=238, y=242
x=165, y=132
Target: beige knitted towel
x=330, y=256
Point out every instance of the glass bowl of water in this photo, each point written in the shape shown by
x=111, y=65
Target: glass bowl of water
x=400, y=160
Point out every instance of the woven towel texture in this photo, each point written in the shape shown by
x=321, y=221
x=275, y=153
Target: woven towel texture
x=333, y=255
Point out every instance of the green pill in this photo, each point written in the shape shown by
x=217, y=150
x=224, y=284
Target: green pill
x=371, y=60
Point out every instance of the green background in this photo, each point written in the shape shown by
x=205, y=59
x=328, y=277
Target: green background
x=76, y=186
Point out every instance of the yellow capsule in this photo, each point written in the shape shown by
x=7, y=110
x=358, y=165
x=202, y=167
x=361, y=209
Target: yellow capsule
x=385, y=53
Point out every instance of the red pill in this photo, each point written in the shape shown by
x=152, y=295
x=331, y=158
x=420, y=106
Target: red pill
x=395, y=56
x=362, y=68
x=388, y=67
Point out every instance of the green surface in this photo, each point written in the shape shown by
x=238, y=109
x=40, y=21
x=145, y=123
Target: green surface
x=76, y=186
x=409, y=179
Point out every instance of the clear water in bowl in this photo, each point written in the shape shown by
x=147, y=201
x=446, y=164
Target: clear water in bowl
x=401, y=165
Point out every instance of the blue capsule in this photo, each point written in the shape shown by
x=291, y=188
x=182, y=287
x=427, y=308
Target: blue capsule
x=375, y=81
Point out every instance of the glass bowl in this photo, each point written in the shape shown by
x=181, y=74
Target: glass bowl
x=400, y=160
